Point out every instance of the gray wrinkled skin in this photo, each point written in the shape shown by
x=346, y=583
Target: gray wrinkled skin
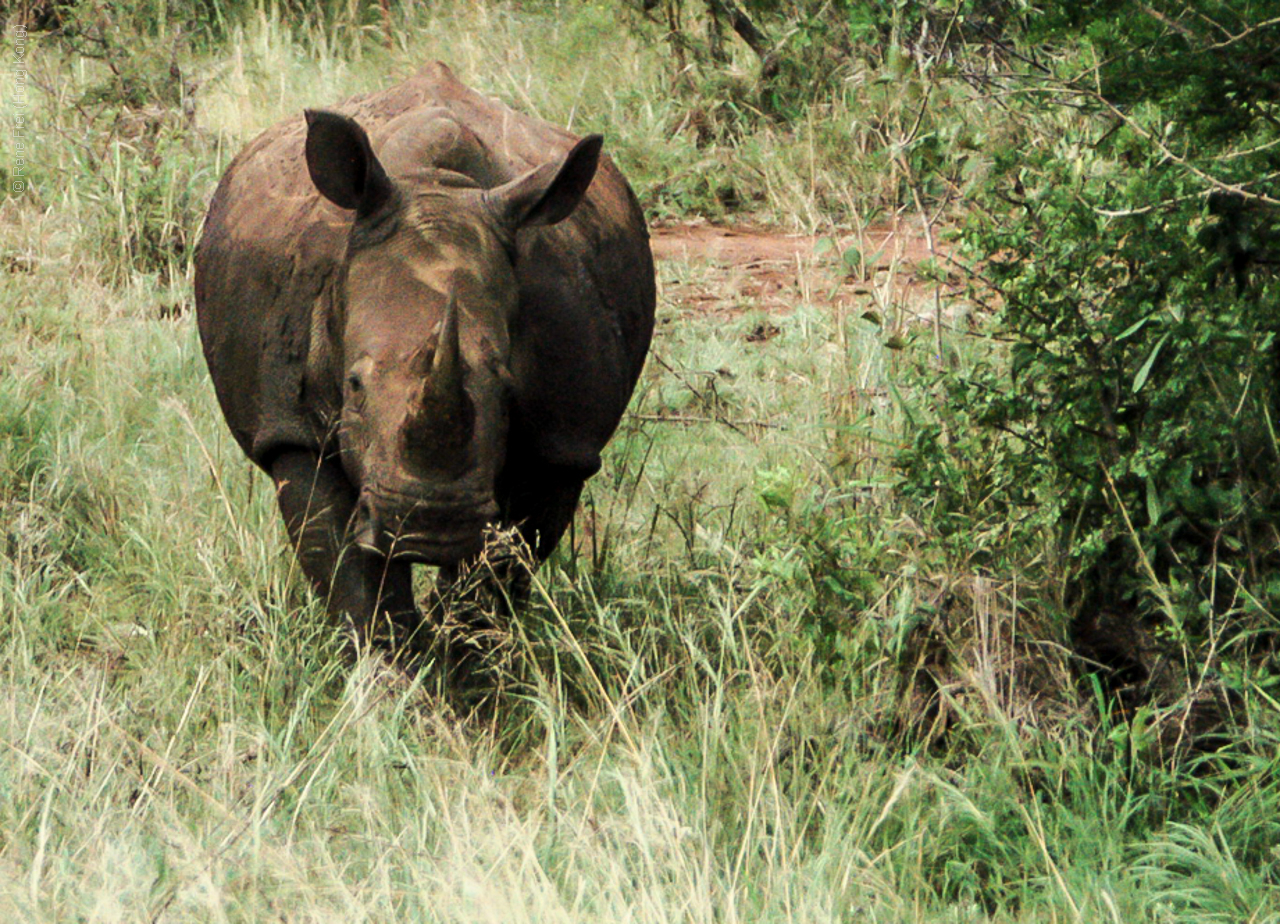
x=423, y=313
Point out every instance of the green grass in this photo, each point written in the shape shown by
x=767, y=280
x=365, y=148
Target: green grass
x=754, y=687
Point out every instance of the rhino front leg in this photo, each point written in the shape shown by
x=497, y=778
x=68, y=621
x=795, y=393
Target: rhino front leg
x=316, y=500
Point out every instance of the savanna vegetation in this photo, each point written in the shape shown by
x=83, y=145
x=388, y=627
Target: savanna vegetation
x=943, y=603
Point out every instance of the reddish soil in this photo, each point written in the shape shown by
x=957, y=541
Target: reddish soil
x=731, y=269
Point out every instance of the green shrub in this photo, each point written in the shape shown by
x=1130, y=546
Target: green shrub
x=1129, y=392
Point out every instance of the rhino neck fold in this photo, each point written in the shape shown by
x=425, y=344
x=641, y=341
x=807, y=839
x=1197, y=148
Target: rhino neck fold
x=324, y=353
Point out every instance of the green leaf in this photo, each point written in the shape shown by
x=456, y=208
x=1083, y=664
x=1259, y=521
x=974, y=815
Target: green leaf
x=1141, y=378
x=776, y=487
x=1133, y=329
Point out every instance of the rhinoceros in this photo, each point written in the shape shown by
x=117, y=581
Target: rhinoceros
x=424, y=314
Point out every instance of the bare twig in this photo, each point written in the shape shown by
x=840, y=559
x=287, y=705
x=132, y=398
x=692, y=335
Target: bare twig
x=719, y=418
x=691, y=419
x=756, y=40
x=1246, y=33
x=1170, y=23
x=1238, y=189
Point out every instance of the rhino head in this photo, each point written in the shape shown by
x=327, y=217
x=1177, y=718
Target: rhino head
x=421, y=334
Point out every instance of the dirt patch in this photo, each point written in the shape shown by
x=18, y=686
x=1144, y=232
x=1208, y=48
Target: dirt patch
x=716, y=269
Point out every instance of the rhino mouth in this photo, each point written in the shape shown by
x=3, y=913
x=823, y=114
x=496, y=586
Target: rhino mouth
x=411, y=528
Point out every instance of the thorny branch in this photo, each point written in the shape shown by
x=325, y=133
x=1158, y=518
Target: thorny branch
x=1236, y=189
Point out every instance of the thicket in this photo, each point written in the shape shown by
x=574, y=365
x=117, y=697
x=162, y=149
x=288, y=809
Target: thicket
x=1128, y=398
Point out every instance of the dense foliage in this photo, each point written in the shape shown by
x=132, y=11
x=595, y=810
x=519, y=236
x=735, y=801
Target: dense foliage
x=1130, y=263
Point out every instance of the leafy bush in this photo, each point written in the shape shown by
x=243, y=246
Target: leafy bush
x=1131, y=384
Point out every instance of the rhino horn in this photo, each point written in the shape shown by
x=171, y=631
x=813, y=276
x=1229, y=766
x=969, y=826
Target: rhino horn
x=446, y=367
x=443, y=394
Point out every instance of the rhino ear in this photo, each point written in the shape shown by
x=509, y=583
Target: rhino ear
x=550, y=193
x=342, y=163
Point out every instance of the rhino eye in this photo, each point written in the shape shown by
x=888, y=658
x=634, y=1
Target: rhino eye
x=355, y=386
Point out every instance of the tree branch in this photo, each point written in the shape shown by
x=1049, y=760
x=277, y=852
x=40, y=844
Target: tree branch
x=756, y=40
x=1238, y=189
